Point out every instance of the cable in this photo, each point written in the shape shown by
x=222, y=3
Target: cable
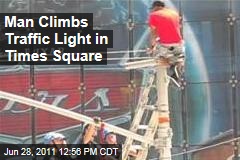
x=134, y=58
x=110, y=52
x=128, y=51
x=200, y=149
x=207, y=147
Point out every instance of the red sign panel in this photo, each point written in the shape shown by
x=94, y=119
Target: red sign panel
x=106, y=96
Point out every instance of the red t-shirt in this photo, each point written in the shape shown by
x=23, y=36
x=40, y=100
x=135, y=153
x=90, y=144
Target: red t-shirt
x=166, y=22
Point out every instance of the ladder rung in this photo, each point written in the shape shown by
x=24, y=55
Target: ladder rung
x=141, y=64
x=143, y=127
x=136, y=147
x=151, y=107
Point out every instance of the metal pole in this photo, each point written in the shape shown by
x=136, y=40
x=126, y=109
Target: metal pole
x=131, y=55
x=32, y=89
x=82, y=89
x=164, y=139
x=232, y=23
x=32, y=92
x=184, y=122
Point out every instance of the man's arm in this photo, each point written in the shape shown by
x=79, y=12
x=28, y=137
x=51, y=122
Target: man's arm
x=153, y=34
x=153, y=37
x=152, y=40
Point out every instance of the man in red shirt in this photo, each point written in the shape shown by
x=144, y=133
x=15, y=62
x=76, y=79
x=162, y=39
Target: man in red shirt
x=165, y=37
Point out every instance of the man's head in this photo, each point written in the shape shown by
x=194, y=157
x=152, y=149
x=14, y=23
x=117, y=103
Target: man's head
x=156, y=5
x=110, y=138
x=54, y=138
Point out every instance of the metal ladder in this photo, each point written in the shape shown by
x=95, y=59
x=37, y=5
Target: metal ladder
x=157, y=129
x=149, y=129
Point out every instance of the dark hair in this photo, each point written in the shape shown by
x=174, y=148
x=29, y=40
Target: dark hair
x=158, y=4
x=105, y=137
